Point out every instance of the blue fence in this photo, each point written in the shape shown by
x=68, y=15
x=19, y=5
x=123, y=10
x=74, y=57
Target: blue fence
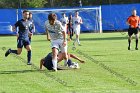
x=113, y=18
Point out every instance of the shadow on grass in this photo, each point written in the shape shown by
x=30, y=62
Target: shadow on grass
x=105, y=38
x=17, y=72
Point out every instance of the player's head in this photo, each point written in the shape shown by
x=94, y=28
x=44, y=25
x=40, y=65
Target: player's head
x=63, y=14
x=134, y=12
x=70, y=15
x=76, y=13
x=25, y=14
x=52, y=17
x=30, y=15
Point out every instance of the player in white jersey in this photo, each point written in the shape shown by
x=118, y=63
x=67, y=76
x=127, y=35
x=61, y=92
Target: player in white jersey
x=57, y=35
x=77, y=21
x=64, y=20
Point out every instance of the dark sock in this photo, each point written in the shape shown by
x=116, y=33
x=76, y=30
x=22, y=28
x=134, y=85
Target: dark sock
x=30, y=39
x=29, y=56
x=69, y=62
x=14, y=51
x=136, y=43
x=129, y=42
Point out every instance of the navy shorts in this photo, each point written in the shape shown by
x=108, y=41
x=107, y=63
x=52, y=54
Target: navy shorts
x=132, y=31
x=22, y=42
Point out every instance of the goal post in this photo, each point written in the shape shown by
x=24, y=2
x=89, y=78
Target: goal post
x=91, y=16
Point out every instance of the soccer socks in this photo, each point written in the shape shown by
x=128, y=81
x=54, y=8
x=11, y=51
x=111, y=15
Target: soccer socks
x=69, y=62
x=65, y=62
x=14, y=51
x=136, y=43
x=129, y=42
x=78, y=41
x=54, y=62
x=29, y=56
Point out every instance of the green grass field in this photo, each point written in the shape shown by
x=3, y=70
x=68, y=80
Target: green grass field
x=109, y=67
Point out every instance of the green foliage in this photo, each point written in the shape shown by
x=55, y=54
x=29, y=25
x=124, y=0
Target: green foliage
x=58, y=3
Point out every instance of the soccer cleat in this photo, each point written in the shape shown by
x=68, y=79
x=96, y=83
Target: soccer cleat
x=7, y=52
x=128, y=48
x=29, y=63
x=136, y=48
x=55, y=70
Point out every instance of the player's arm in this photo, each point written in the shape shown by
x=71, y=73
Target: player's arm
x=81, y=21
x=41, y=63
x=48, y=35
x=128, y=21
x=64, y=38
x=64, y=34
x=14, y=27
x=75, y=57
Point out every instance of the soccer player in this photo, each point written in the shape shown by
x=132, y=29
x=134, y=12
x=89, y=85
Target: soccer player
x=23, y=38
x=47, y=61
x=64, y=20
x=77, y=21
x=32, y=28
x=57, y=34
x=133, y=21
x=70, y=27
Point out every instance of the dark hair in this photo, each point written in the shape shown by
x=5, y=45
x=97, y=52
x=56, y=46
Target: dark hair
x=25, y=11
x=30, y=13
x=52, y=16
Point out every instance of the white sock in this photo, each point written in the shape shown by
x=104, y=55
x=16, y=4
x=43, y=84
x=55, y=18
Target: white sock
x=54, y=61
x=65, y=62
x=78, y=41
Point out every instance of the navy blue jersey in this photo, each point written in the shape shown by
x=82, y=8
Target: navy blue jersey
x=48, y=62
x=23, y=28
x=32, y=27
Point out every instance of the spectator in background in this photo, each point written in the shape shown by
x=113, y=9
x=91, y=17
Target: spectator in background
x=133, y=21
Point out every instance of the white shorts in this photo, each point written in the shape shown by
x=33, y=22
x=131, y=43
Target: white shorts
x=59, y=45
x=76, y=30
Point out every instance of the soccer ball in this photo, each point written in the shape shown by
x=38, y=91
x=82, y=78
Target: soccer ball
x=74, y=65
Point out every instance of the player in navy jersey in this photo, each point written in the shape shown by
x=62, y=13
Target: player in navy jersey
x=32, y=28
x=47, y=61
x=24, y=28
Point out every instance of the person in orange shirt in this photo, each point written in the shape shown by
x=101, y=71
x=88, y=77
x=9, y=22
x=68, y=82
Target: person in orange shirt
x=133, y=21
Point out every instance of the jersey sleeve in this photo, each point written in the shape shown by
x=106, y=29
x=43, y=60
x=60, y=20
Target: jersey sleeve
x=46, y=28
x=128, y=19
x=61, y=27
x=17, y=24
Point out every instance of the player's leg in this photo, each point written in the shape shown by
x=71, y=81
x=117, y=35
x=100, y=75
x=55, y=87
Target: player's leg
x=137, y=38
x=19, y=48
x=130, y=33
x=29, y=54
x=55, y=48
x=54, y=58
x=64, y=52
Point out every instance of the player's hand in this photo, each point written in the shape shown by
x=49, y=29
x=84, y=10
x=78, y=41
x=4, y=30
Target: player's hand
x=64, y=43
x=48, y=39
x=132, y=26
x=82, y=61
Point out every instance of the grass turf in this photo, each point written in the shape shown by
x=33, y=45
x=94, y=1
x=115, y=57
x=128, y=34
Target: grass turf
x=109, y=67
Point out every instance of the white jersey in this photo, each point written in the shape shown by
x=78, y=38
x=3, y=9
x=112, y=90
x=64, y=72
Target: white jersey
x=76, y=22
x=55, y=31
x=64, y=21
